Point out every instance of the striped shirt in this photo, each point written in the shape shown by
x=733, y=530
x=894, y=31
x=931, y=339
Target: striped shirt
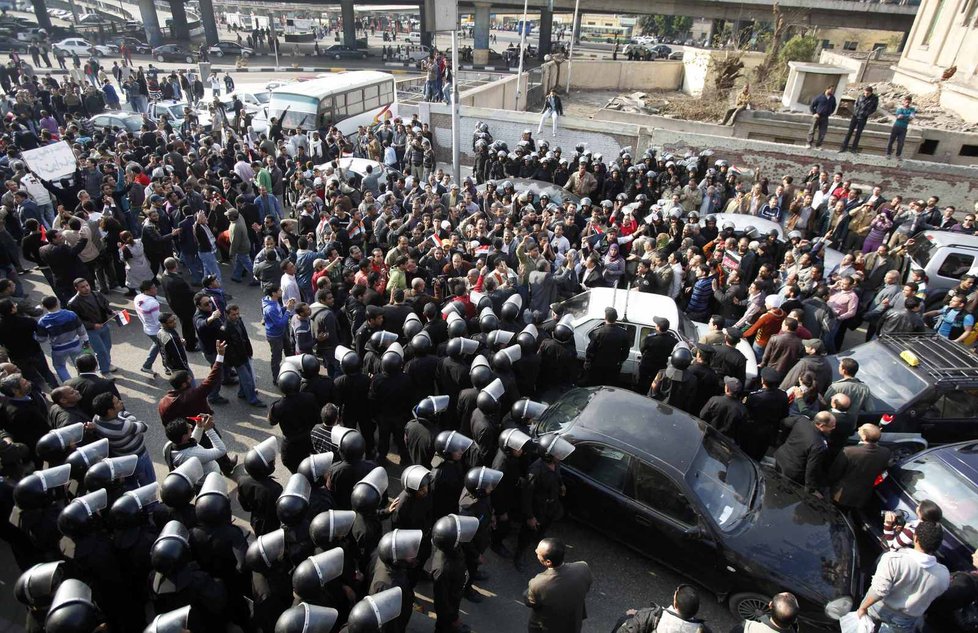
x=322, y=441
x=62, y=329
x=125, y=435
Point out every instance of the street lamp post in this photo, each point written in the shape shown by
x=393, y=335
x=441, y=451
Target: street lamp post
x=519, y=72
x=574, y=36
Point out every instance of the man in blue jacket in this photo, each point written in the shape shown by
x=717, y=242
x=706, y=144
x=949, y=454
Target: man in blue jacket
x=822, y=108
x=276, y=318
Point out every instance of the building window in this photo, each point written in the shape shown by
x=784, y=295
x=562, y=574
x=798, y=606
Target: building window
x=827, y=45
x=879, y=46
x=928, y=147
x=935, y=18
x=850, y=46
x=968, y=150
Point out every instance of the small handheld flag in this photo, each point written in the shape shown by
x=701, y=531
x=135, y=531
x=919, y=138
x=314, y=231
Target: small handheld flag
x=124, y=317
x=886, y=418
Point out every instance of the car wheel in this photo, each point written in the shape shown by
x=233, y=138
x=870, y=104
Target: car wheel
x=336, y=56
x=160, y=58
x=748, y=606
x=190, y=59
x=219, y=53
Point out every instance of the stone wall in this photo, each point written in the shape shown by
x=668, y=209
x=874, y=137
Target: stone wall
x=862, y=67
x=625, y=75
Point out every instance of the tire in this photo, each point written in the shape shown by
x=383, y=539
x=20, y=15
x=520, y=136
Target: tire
x=160, y=58
x=219, y=53
x=189, y=59
x=336, y=57
x=748, y=606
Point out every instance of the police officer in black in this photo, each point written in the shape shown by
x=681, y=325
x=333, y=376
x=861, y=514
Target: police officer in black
x=511, y=460
x=485, y=423
x=391, y=396
x=351, y=392
x=607, y=351
x=767, y=407
x=423, y=366
x=448, y=472
x=656, y=349
x=453, y=374
x=257, y=487
x=351, y=468
x=707, y=381
x=528, y=369
x=675, y=385
x=397, y=555
x=480, y=375
x=296, y=413
x=420, y=432
x=132, y=540
x=449, y=572
x=726, y=413
x=727, y=359
x=271, y=577
x=477, y=502
x=541, y=495
x=558, y=358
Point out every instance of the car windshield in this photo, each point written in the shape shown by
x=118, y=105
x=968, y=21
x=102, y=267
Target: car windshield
x=928, y=477
x=890, y=381
x=922, y=250
x=561, y=413
x=577, y=306
x=724, y=480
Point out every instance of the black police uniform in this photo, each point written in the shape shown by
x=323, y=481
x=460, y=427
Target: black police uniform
x=767, y=407
x=452, y=376
x=450, y=576
x=422, y=371
x=296, y=414
x=466, y=406
x=485, y=433
x=656, y=349
x=541, y=500
x=728, y=361
x=343, y=475
x=606, y=353
x=419, y=434
x=350, y=393
x=258, y=497
x=390, y=397
x=447, y=483
x=558, y=365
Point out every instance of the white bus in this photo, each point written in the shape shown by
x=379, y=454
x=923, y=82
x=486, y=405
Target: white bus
x=346, y=100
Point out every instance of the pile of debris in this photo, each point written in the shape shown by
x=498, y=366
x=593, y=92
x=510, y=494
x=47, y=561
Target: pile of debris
x=637, y=103
x=929, y=111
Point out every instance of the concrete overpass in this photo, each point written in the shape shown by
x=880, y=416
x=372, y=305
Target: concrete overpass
x=823, y=13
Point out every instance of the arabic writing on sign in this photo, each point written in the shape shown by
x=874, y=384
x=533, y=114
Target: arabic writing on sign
x=51, y=161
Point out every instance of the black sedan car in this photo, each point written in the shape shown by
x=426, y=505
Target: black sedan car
x=173, y=53
x=231, y=49
x=669, y=486
x=339, y=51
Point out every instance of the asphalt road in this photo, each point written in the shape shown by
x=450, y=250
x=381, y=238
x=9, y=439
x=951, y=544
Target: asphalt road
x=623, y=579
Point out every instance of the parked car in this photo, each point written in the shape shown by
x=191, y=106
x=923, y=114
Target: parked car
x=661, y=51
x=635, y=313
x=340, y=51
x=945, y=257
x=173, y=53
x=230, y=49
x=128, y=121
x=357, y=167
x=926, y=384
x=673, y=488
x=135, y=45
x=948, y=476
x=536, y=188
x=677, y=55
x=414, y=37
x=82, y=47
x=10, y=44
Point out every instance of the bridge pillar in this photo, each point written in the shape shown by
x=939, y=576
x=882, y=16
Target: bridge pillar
x=178, y=23
x=207, y=19
x=735, y=28
x=480, y=33
x=41, y=12
x=349, y=23
x=576, y=29
x=546, y=29
x=427, y=37
x=151, y=22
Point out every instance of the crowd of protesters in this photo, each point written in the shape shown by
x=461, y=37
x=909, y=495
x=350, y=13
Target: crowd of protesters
x=411, y=316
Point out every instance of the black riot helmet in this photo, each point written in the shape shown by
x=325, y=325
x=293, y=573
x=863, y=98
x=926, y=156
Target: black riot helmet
x=84, y=457
x=453, y=530
x=431, y=406
x=56, y=442
x=306, y=365
x=350, y=362
x=180, y=484
x=212, y=506
x=78, y=517
x=129, y=510
x=504, y=359
x=369, y=492
x=480, y=481
x=374, y=611
x=293, y=503
x=511, y=308
x=421, y=343
x=259, y=461
x=564, y=330
x=330, y=527
x=111, y=469
x=266, y=552
x=72, y=609
x=679, y=361
x=35, y=587
x=176, y=621
x=527, y=339
x=399, y=546
x=480, y=373
x=412, y=325
x=350, y=443
x=382, y=339
x=312, y=574
x=33, y=491
x=289, y=381
x=171, y=550
x=456, y=325
x=555, y=448
x=306, y=618
x=488, y=321
x=512, y=440
x=526, y=410
x=489, y=398
x=315, y=467
x=392, y=361
x=448, y=443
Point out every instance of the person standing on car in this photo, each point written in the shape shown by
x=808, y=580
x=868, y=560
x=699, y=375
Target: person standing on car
x=906, y=582
x=607, y=351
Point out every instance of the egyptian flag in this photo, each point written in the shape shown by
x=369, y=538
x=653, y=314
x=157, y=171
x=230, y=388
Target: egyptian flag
x=123, y=317
x=434, y=238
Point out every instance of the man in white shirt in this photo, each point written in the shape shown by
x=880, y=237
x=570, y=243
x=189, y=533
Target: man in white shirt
x=290, y=287
x=186, y=443
x=148, y=310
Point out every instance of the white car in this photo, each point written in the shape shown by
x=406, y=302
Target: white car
x=635, y=313
x=80, y=47
x=414, y=37
x=358, y=167
x=415, y=55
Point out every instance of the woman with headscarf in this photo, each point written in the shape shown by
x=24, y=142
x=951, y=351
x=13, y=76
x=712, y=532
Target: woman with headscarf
x=614, y=266
x=137, y=266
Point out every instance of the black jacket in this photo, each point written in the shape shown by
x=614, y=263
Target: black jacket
x=609, y=348
x=178, y=293
x=88, y=313
x=802, y=457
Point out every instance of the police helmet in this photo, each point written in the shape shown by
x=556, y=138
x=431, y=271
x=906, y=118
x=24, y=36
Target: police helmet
x=311, y=575
x=480, y=481
x=329, y=527
x=293, y=503
x=180, y=484
x=306, y=618
x=171, y=549
x=212, y=506
x=259, y=461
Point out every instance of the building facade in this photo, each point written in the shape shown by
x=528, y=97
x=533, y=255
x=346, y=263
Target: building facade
x=944, y=36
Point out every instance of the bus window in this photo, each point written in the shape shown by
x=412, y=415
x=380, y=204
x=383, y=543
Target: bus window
x=370, y=91
x=387, y=94
x=339, y=106
x=354, y=102
x=326, y=109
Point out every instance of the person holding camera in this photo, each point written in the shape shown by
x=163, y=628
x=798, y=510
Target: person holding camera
x=186, y=434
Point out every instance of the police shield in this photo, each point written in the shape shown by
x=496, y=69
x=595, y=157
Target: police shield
x=329, y=527
x=414, y=477
x=175, y=621
x=35, y=587
x=266, y=551
x=306, y=618
x=84, y=457
x=293, y=503
x=398, y=546
x=495, y=390
x=315, y=467
x=513, y=439
x=556, y=447
x=469, y=346
x=373, y=612
x=513, y=353
x=56, y=477
x=313, y=573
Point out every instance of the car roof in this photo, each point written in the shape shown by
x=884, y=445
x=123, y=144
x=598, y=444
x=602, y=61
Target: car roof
x=632, y=307
x=951, y=238
x=644, y=427
x=962, y=456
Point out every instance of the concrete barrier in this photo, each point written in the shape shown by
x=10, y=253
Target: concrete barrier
x=863, y=67
x=609, y=75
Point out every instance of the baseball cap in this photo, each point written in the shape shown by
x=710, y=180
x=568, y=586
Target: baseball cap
x=734, y=384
